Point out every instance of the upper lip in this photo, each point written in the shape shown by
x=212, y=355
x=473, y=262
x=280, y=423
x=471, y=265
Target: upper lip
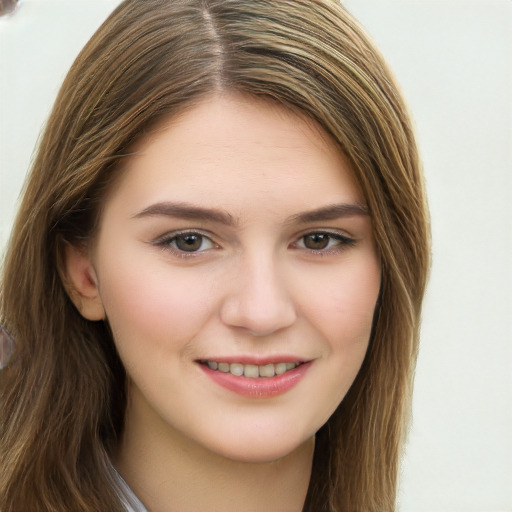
x=256, y=360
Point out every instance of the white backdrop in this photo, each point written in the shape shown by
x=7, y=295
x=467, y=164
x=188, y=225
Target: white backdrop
x=454, y=61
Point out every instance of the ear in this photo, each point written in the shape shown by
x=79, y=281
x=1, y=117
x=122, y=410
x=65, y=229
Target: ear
x=81, y=282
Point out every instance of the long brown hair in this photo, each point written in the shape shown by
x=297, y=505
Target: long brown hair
x=62, y=396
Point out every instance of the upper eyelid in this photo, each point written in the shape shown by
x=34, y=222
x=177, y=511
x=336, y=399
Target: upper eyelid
x=344, y=243
x=328, y=231
x=175, y=233
x=164, y=243
x=335, y=236
x=215, y=239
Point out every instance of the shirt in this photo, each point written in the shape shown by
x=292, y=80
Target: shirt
x=127, y=496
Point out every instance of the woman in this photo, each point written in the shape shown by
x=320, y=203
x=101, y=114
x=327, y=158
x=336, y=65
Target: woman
x=215, y=277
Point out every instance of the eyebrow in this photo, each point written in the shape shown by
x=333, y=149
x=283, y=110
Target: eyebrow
x=193, y=212
x=187, y=211
x=331, y=212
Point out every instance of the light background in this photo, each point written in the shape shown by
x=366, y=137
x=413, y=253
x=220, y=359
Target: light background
x=453, y=59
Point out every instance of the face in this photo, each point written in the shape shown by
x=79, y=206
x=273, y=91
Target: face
x=236, y=265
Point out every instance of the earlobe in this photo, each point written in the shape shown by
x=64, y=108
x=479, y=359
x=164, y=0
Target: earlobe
x=81, y=282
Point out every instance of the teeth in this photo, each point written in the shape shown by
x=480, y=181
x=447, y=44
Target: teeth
x=281, y=368
x=223, y=367
x=267, y=371
x=236, y=369
x=252, y=371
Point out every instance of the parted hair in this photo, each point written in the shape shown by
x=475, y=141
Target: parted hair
x=62, y=397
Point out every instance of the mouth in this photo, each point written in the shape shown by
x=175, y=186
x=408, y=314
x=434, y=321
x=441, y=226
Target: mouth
x=252, y=380
x=252, y=371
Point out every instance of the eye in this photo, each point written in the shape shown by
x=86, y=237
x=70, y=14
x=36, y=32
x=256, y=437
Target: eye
x=324, y=242
x=187, y=242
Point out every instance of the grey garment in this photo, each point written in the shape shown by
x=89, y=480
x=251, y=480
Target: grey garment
x=130, y=501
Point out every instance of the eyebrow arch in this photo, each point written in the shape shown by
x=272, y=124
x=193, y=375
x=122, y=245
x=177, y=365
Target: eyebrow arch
x=187, y=211
x=330, y=212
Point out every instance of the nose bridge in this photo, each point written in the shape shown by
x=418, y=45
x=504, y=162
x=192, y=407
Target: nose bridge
x=259, y=299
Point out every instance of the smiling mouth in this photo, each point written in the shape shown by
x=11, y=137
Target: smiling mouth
x=251, y=371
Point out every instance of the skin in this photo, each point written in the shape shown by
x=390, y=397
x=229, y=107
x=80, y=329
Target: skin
x=258, y=284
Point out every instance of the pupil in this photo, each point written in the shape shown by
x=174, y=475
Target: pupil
x=316, y=241
x=189, y=243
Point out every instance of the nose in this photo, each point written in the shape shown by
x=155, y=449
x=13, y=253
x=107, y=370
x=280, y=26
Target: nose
x=259, y=300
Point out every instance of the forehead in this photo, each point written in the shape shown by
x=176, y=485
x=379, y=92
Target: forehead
x=234, y=150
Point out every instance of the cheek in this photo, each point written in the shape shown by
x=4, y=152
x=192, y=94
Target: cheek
x=343, y=309
x=341, y=313
x=149, y=305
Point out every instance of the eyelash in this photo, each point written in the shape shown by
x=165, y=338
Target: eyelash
x=167, y=241
x=344, y=242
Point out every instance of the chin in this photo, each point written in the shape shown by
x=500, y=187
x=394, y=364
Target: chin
x=263, y=452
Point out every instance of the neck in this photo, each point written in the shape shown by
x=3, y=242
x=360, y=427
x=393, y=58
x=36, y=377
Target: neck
x=171, y=473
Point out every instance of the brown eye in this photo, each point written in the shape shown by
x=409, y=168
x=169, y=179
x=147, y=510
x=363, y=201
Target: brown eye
x=322, y=242
x=186, y=242
x=183, y=243
x=190, y=242
x=317, y=241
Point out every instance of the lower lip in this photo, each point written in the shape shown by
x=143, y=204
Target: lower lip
x=263, y=387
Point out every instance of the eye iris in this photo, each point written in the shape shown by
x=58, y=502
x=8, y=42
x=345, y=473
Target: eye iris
x=316, y=241
x=189, y=243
